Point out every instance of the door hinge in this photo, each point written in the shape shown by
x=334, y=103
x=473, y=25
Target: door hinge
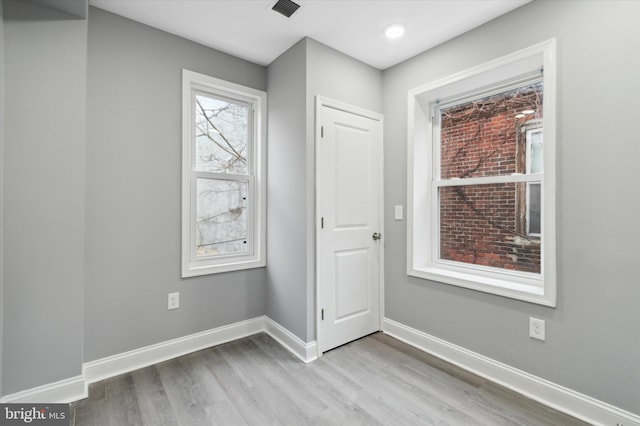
x=322, y=223
x=322, y=131
x=322, y=314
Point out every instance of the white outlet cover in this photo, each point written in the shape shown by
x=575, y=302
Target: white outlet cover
x=536, y=328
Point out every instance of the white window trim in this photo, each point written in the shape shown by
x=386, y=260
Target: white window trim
x=256, y=255
x=421, y=205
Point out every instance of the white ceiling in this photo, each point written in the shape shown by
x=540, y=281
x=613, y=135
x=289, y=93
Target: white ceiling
x=250, y=30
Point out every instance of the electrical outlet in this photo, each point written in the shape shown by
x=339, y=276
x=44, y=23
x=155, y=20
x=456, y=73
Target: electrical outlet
x=536, y=328
x=174, y=301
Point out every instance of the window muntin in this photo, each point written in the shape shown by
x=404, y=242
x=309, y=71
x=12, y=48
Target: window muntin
x=223, y=220
x=431, y=176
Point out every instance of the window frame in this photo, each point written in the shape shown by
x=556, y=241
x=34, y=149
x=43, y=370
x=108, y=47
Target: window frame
x=423, y=238
x=193, y=84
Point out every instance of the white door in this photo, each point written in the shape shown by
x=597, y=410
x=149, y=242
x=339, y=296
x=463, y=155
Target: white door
x=349, y=188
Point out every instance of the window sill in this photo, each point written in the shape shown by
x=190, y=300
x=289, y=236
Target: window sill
x=196, y=269
x=514, y=286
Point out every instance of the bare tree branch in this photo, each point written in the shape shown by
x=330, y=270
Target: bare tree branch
x=233, y=150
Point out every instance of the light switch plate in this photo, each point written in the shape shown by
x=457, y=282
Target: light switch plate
x=398, y=213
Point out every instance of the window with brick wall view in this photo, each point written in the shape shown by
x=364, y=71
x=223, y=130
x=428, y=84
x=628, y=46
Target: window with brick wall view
x=481, y=200
x=487, y=216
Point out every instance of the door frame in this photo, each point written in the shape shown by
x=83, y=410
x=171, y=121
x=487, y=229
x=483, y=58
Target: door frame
x=320, y=102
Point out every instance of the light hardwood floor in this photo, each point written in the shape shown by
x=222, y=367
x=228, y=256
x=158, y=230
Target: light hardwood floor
x=376, y=380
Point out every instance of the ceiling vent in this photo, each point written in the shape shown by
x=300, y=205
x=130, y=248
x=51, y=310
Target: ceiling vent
x=285, y=7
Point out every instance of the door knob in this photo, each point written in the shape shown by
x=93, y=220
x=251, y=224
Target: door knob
x=376, y=236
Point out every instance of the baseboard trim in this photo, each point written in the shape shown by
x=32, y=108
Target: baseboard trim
x=76, y=388
x=62, y=392
x=306, y=352
x=553, y=395
x=138, y=358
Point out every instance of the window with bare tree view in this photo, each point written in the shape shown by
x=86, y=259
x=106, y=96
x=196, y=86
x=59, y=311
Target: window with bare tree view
x=222, y=133
x=223, y=175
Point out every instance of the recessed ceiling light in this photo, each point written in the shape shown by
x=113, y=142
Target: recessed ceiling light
x=394, y=31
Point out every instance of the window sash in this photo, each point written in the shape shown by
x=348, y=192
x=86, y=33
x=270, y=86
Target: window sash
x=480, y=93
x=433, y=257
x=255, y=208
x=249, y=177
x=250, y=125
x=250, y=214
x=437, y=182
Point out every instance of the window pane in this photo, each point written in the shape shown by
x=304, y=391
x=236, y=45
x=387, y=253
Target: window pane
x=222, y=134
x=478, y=138
x=533, y=208
x=534, y=145
x=221, y=217
x=478, y=226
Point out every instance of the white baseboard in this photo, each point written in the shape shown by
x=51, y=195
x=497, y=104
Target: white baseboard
x=63, y=391
x=76, y=388
x=562, y=399
x=306, y=352
x=138, y=358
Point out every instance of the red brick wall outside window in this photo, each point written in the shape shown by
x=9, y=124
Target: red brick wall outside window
x=485, y=224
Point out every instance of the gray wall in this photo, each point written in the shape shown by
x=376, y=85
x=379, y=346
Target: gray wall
x=593, y=344
x=43, y=190
x=72, y=8
x=339, y=77
x=105, y=238
x=133, y=192
x=294, y=79
x=1, y=176
x=286, y=191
